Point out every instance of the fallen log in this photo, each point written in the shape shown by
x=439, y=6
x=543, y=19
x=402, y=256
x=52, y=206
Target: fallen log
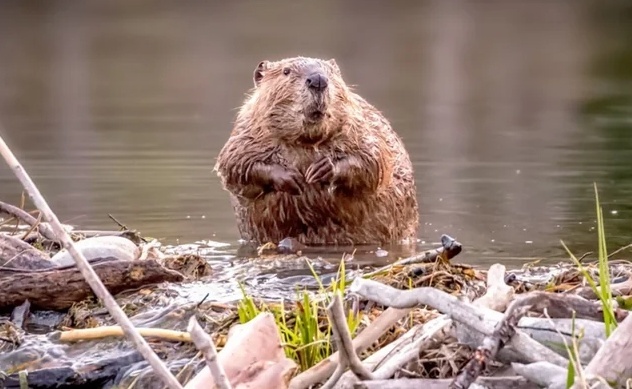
x=59, y=288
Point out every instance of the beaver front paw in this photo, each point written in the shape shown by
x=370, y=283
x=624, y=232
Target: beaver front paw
x=320, y=171
x=285, y=180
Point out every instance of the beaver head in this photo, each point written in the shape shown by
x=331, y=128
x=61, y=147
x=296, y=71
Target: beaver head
x=295, y=98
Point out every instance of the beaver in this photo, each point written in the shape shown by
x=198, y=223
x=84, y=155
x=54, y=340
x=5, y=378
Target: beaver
x=310, y=159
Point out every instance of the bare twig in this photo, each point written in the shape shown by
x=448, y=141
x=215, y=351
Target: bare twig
x=381, y=356
x=361, y=342
x=24, y=216
x=86, y=270
x=205, y=345
x=348, y=356
x=617, y=251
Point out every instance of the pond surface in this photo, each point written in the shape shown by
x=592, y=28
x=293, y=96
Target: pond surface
x=510, y=110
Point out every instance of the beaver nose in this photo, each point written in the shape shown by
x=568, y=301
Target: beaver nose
x=317, y=82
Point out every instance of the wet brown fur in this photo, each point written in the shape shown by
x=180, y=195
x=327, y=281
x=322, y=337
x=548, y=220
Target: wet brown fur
x=368, y=195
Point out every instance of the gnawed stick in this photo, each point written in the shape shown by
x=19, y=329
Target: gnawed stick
x=361, y=342
x=205, y=345
x=108, y=331
x=481, y=319
x=87, y=271
x=342, y=337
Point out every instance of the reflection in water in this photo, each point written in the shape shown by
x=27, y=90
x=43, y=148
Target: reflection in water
x=510, y=110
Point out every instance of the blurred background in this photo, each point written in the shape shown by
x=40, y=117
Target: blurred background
x=510, y=109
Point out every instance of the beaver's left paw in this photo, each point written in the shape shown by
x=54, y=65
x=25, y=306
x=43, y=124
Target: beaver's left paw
x=320, y=171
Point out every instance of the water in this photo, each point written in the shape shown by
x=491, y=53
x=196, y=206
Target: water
x=510, y=110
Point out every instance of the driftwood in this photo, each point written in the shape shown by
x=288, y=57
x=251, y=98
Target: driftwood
x=484, y=354
x=373, y=361
x=433, y=332
x=28, y=219
x=342, y=337
x=613, y=361
x=204, y=343
x=59, y=288
x=325, y=368
x=543, y=374
x=558, y=305
x=16, y=253
x=498, y=294
x=74, y=377
x=480, y=319
x=558, y=333
x=385, y=362
x=513, y=382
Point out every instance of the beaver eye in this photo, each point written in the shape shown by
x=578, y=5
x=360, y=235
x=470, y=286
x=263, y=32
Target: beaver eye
x=286, y=71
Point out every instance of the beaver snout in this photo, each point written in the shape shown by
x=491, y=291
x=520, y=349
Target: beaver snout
x=317, y=82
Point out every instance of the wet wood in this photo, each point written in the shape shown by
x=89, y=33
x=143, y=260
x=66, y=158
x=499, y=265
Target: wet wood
x=16, y=253
x=83, y=376
x=204, y=343
x=59, y=288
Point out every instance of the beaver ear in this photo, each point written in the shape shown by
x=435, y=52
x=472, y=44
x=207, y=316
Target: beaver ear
x=258, y=73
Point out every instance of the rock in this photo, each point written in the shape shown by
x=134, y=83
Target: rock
x=100, y=247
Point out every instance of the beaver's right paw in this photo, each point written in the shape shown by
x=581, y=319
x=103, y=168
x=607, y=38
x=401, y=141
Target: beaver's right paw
x=285, y=180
